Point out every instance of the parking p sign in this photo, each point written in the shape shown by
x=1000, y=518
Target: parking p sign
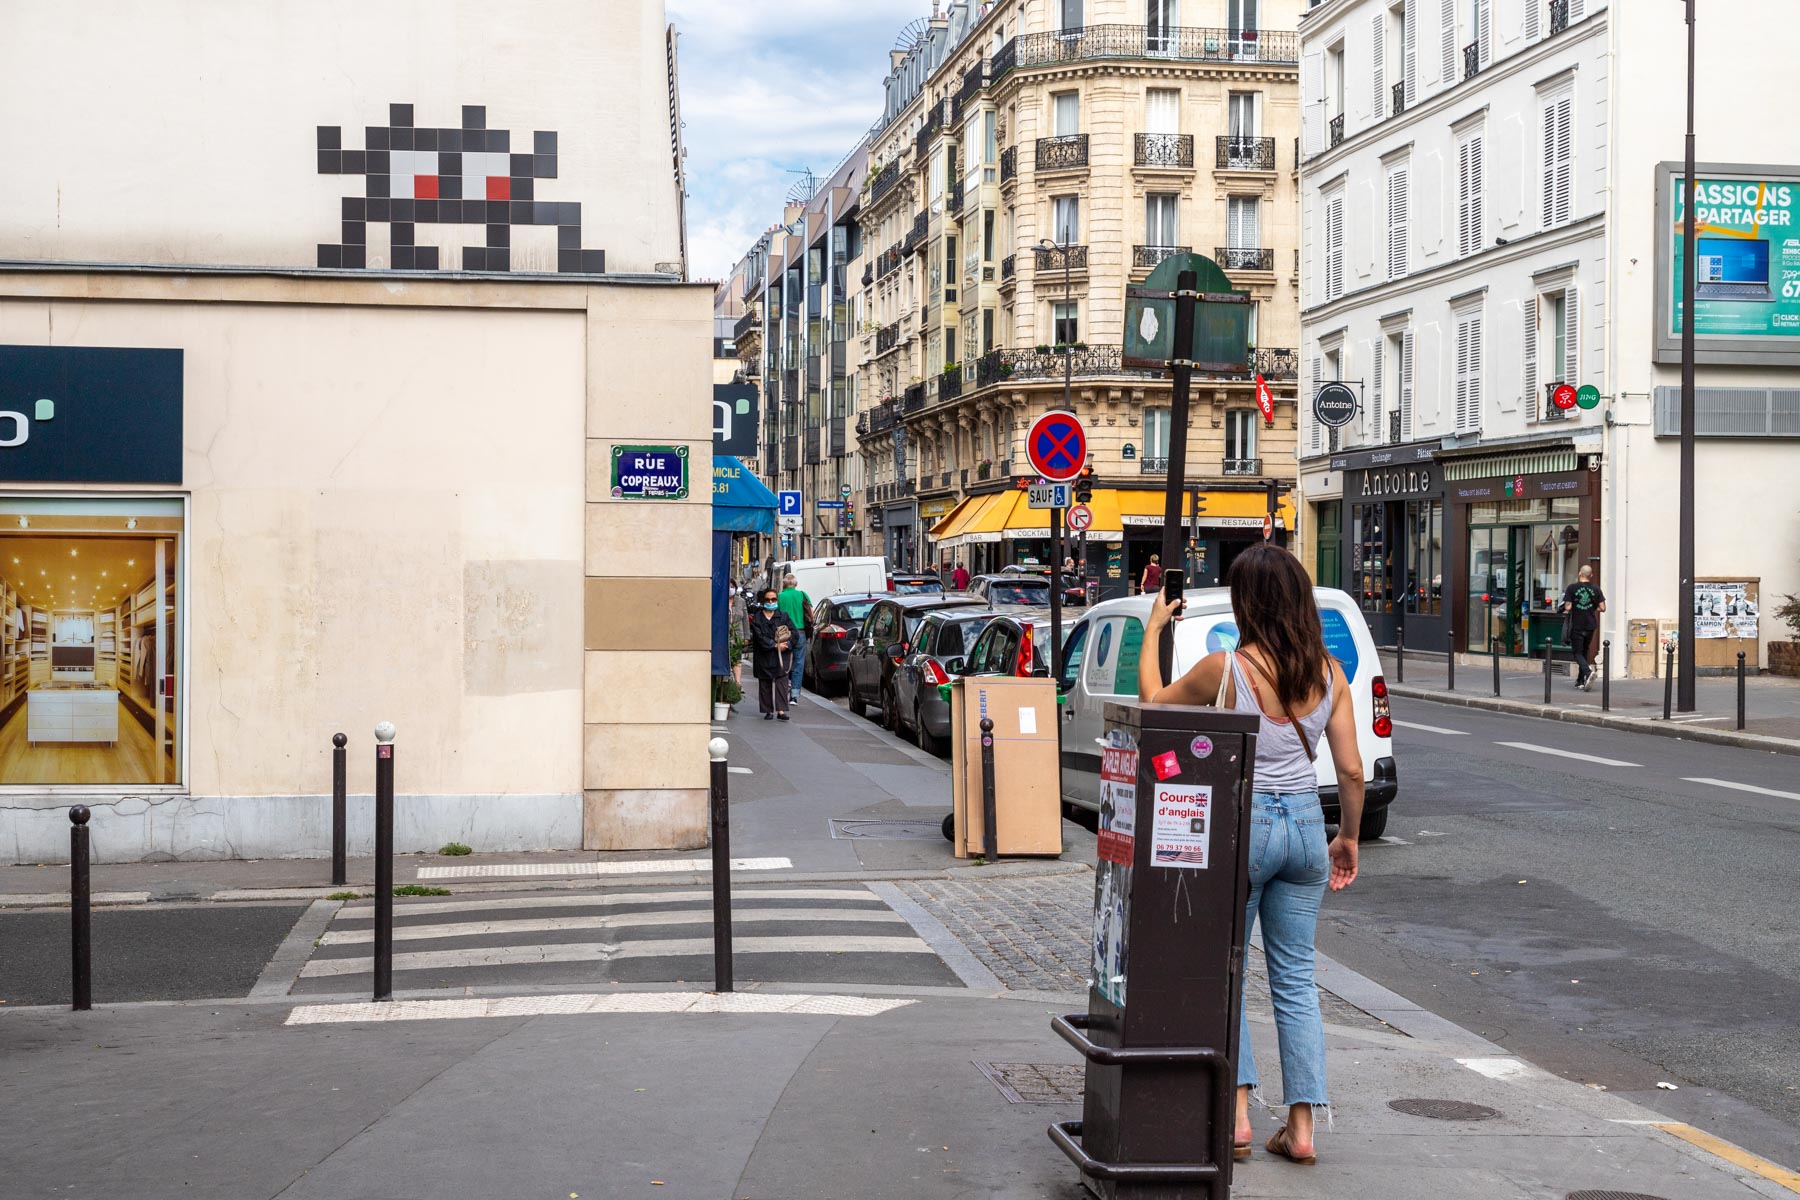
x=789, y=504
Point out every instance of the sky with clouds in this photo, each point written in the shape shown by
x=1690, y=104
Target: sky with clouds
x=768, y=86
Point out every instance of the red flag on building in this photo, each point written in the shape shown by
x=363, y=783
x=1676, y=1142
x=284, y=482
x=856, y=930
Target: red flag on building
x=1264, y=400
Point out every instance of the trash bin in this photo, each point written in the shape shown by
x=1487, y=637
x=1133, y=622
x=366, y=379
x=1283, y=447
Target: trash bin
x=1160, y=1033
x=1027, y=765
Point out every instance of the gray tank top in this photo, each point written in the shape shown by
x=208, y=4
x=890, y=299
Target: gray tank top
x=1282, y=764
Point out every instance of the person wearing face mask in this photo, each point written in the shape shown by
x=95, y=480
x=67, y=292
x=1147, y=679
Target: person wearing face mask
x=772, y=640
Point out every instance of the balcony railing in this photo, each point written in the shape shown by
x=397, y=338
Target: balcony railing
x=1188, y=44
x=1337, y=130
x=974, y=79
x=887, y=338
x=837, y=447
x=1238, y=153
x=1146, y=257
x=812, y=444
x=884, y=181
x=1006, y=267
x=1471, y=60
x=1157, y=465
x=1242, y=466
x=1244, y=258
x=1399, y=105
x=1276, y=362
x=1559, y=16
x=920, y=226
x=1174, y=150
x=1015, y=366
x=950, y=384
x=881, y=417
x=1067, y=153
x=751, y=320
x=862, y=423
x=1009, y=164
x=914, y=398
x=790, y=450
x=1057, y=258
x=953, y=199
x=889, y=261
x=868, y=273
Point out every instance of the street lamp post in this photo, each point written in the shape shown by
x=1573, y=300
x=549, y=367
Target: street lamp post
x=1684, y=682
x=1056, y=539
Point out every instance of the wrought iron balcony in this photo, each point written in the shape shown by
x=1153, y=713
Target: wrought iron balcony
x=1186, y=44
x=1019, y=366
x=950, y=384
x=914, y=398
x=790, y=450
x=1148, y=257
x=1006, y=267
x=1009, y=164
x=1067, y=153
x=1058, y=258
x=881, y=417
x=1238, y=153
x=920, y=226
x=862, y=423
x=1276, y=362
x=953, y=200
x=884, y=181
x=974, y=79
x=751, y=320
x=889, y=261
x=1559, y=16
x=1242, y=466
x=1173, y=150
x=1005, y=59
x=887, y=338
x=1399, y=99
x=1244, y=258
x=1337, y=130
x=1158, y=465
x=1471, y=60
x=837, y=445
x=944, y=479
x=868, y=274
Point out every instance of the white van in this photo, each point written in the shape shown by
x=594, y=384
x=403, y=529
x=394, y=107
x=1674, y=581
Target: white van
x=822, y=577
x=1100, y=664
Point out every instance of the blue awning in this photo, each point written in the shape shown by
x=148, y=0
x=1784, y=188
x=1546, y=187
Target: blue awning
x=741, y=503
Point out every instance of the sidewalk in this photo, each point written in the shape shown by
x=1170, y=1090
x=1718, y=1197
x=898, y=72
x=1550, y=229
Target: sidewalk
x=1772, y=702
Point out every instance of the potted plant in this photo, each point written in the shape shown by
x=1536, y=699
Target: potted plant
x=1043, y=348
x=1784, y=657
x=984, y=468
x=726, y=692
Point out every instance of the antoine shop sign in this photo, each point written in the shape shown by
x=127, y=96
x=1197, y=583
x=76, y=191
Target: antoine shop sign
x=80, y=414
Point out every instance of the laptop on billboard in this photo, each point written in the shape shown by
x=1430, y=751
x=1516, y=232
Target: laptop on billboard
x=1731, y=269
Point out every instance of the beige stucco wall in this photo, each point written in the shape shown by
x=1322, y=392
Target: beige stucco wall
x=185, y=131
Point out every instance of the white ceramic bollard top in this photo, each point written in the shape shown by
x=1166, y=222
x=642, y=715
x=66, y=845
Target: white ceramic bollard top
x=385, y=731
x=718, y=748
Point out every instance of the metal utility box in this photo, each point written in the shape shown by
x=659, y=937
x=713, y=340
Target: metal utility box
x=1160, y=1033
x=1027, y=767
x=1643, y=649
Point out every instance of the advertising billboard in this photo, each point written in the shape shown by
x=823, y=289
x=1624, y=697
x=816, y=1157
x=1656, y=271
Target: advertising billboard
x=1747, y=264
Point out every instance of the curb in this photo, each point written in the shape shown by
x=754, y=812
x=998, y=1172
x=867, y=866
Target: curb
x=1600, y=720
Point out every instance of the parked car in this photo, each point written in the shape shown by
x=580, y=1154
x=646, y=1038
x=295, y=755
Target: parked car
x=943, y=637
x=1100, y=664
x=915, y=585
x=1013, y=643
x=837, y=620
x=885, y=641
x=1012, y=588
x=821, y=577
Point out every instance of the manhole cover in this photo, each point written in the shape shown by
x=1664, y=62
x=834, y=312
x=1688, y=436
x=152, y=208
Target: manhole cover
x=888, y=831
x=1445, y=1110
x=1603, y=1195
x=1036, y=1083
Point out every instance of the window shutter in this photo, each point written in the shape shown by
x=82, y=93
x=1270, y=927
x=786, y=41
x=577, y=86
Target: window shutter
x=1562, y=187
x=1398, y=240
x=1334, y=248
x=1380, y=353
x=1406, y=386
x=1484, y=30
x=1572, y=335
x=1469, y=166
x=1312, y=421
x=1449, y=64
x=1531, y=21
x=1462, y=375
x=1474, y=373
x=1410, y=51
x=1531, y=359
x=1575, y=10
x=1378, y=42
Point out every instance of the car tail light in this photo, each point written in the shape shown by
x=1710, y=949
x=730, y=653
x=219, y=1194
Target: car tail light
x=904, y=651
x=833, y=631
x=934, y=674
x=1024, y=670
x=1384, y=719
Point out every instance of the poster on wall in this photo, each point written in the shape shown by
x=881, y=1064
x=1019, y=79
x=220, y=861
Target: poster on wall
x=1117, y=843
x=1747, y=262
x=1724, y=610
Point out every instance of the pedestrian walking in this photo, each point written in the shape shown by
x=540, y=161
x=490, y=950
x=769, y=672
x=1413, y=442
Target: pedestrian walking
x=797, y=606
x=1281, y=673
x=1152, y=578
x=1583, y=602
x=737, y=635
x=959, y=578
x=772, y=638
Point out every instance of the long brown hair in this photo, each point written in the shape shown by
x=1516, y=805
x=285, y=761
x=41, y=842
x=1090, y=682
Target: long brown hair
x=1272, y=600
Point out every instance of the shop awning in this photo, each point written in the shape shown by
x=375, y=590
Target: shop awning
x=1221, y=510
x=976, y=519
x=741, y=504
x=1004, y=516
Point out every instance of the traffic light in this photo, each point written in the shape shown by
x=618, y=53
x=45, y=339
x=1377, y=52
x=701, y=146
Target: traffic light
x=1084, y=486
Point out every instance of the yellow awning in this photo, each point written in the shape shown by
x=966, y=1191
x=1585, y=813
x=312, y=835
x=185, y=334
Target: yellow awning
x=1008, y=515
x=1227, y=510
x=953, y=520
x=976, y=519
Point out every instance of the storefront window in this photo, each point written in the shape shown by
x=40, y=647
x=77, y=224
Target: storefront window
x=1424, y=583
x=91, y=619
x=1374, y=562
x=1522, y=554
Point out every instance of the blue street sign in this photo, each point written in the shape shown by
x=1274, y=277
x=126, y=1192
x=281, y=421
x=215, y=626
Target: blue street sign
x=790, y=504
x=829, y=503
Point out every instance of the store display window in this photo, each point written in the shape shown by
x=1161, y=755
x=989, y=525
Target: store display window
x=91, y=626
x=1522, y=554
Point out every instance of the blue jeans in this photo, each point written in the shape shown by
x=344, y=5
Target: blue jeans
x=1288, y=872
x=799, y=671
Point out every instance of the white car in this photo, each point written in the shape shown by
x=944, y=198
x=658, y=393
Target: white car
x=1100, y=664
x=822, y=577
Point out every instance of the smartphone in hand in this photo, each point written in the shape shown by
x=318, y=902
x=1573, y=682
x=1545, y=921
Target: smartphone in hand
x=1172, y=585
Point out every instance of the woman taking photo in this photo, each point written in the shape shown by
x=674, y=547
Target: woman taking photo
x=1281, y=673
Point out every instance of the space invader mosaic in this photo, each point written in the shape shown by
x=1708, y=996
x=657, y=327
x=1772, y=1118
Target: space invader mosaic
x=470, y=175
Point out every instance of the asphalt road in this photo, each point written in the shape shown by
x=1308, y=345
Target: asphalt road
x=1615, y=913
x=172, y=952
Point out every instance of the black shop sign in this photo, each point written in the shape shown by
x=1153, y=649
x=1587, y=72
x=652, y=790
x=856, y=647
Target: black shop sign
x=1397, y=483
x=72, y=414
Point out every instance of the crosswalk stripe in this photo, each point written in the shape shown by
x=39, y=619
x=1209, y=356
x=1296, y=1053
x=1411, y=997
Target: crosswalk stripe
x=502, y=956
x=758, y=1003
x=649, y=866
x=693, y=916
x=601, y=900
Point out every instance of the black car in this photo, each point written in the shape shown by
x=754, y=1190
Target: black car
x=1012, y=588
x=943, y=636
x=1014, y=643
x=915, y=585
x=837, y=620
x=886, y=639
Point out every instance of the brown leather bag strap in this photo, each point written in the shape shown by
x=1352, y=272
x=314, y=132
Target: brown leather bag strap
x=1305, y=742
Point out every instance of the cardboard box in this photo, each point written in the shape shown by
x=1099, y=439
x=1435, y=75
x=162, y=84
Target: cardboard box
x=1027, y=764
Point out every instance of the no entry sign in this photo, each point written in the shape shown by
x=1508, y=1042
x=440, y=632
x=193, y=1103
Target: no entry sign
x=1057, y=446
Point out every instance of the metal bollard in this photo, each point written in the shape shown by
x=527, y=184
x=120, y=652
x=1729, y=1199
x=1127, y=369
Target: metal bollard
x=990, y=836
x=1549, y=650
x=1400, y=653
x=1494, y=652
x=1606, y=675
x=1740, y=723
x=340, y=773
x=81, y=974
x=1669, y=682
x=384, y=861
x=1449, y=652
x=720, y=800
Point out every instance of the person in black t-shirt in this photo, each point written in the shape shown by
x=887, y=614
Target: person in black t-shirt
x=1583, y=601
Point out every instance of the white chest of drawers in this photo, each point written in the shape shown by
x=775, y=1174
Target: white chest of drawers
x=72, y=716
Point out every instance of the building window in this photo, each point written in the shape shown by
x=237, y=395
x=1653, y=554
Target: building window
x=1559, y=159
x=1423, y=580
x=1071, y=11
x=1162, y=110
x=1334, y=246
x=1241, y=115
x=1552, y=328
x=1067, y=327
x=987, y=236
x=1240, y=441
x=1156, y=434
x=1160, y=222
x=1468, y=372
x=1067, y=115
x=1066, y=219
x=1243, y=229
x=1161, y=19
x=990, y=146
x=1399, y=203
x=1334, y=86
x=1469, y=194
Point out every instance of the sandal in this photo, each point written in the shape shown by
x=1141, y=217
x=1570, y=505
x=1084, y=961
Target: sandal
x=1278, y=1146
x=1240, y=1150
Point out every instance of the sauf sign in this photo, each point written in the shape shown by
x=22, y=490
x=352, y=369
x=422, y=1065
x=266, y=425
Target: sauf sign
x=74, y=414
